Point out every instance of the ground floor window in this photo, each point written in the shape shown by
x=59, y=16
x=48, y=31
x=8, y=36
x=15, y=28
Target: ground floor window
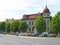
x=29, y=29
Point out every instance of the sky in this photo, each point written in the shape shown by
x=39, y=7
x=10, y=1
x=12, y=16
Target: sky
x=17, y=8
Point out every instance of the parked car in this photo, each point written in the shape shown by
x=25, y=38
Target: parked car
x=13, y=33
x=37, y=34
x=1, y=33
x=44, y=34
x=52, y=35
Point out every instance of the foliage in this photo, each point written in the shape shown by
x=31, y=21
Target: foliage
x=2, y=26
x=40, y=24
x=15, y=25
x=23, y=26
x=8, y=25
x=55, y=23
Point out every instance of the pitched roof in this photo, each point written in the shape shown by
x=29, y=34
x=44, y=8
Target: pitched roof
x=32, y=16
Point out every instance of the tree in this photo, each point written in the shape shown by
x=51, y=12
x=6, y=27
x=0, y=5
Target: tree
x=8, y=27
x=55, y=23
x=2, y=26
x=23, y=26
x=15, y=26
x=40, y=24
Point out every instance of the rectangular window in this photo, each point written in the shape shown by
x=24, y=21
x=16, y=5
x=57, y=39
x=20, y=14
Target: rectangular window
x=32, y=29
x=29, y=29
x=47, y=22
x=29, y=22
x=32, y=23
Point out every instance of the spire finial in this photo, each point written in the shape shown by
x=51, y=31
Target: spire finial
x=46, y=6
x=46, y=3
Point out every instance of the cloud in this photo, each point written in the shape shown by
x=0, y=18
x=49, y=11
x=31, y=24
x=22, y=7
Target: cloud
x=8, y=9
x=9, y=15
x=16, y=8
x=13, y=4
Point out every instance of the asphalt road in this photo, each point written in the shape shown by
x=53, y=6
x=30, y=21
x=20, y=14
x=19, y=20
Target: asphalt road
x=22, y=40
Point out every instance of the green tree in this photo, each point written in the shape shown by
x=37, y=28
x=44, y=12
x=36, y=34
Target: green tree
x=40, y=24
x=23, y=26
x=55, y=23
x=15, y=26
x=2, y=26
x=8, y=27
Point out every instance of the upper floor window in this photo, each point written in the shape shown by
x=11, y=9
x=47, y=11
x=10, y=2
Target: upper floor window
x=32, y=22
x=47, y=22
x=29, y=22
x=47, y=14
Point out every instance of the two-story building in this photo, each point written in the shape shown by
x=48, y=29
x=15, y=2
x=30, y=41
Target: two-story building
x=30, y=18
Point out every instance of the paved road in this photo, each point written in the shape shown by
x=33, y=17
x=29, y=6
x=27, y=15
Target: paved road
x=21, y=40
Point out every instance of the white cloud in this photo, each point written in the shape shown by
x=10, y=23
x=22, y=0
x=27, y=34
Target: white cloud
x=9, y=8
x=8, y=15
x=53, y=2
x=13, y=4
